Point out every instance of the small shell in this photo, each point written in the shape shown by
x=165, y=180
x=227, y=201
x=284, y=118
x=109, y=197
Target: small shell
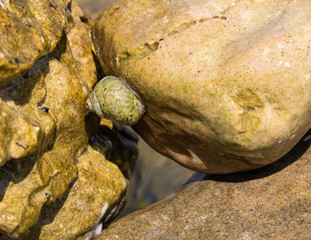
x=113, y=99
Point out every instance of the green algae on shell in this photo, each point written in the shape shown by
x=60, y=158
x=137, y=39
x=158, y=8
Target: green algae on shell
x=113, y=99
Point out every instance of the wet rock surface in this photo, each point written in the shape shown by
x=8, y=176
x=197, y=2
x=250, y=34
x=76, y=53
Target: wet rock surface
x=31, y=29
x=268, y=203
x=48, y=170
x=154, y=176
x=225, y=83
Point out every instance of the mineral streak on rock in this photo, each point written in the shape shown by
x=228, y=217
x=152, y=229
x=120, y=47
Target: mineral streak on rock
x=226, y=83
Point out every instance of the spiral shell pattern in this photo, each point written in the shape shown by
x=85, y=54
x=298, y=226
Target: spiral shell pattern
x=113, y=99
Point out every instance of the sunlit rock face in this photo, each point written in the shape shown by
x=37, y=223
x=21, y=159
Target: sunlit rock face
x=47, y=71
x=268, y=203
x=226, y=83
x=30, y=30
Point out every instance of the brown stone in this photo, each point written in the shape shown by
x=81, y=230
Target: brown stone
x=226, y=83
x=273, y=202
x=82, y=48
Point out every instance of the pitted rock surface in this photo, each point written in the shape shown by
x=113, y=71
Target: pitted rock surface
x=30, y=30
x=45, y=156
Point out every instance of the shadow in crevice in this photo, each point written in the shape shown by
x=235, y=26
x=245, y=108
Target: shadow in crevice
x=47, y=215
x=118, y=145
x=15, y=171
x=5, y=178
x=293, y=155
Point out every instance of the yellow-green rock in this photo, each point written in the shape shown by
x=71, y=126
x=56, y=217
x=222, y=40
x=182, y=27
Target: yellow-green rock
x=29, y=30
x=45, y=126
x=98, y=187
x=226, y=83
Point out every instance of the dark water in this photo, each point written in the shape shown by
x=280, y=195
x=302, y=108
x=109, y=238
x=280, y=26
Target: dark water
x=154, y=178
x=94, y=7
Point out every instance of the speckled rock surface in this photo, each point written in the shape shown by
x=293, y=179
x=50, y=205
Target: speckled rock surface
x=45, y=130
x=226, y=83
x=269, y=203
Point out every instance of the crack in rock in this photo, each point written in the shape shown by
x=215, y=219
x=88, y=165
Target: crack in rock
x=145, y=49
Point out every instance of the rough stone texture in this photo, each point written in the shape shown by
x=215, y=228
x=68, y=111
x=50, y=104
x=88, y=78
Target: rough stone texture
x=85, y=208
x=269, y=203
x=82, y=46
x=226, y=83
x=45, y=129
x=30, y=30
x=89, y=199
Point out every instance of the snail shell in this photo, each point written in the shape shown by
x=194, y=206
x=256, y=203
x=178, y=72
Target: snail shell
x=113, y=99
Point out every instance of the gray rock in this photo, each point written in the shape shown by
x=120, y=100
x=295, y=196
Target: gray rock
x=269, y=203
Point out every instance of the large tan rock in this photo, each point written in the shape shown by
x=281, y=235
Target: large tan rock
x=226, y=83
x=269, y=203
